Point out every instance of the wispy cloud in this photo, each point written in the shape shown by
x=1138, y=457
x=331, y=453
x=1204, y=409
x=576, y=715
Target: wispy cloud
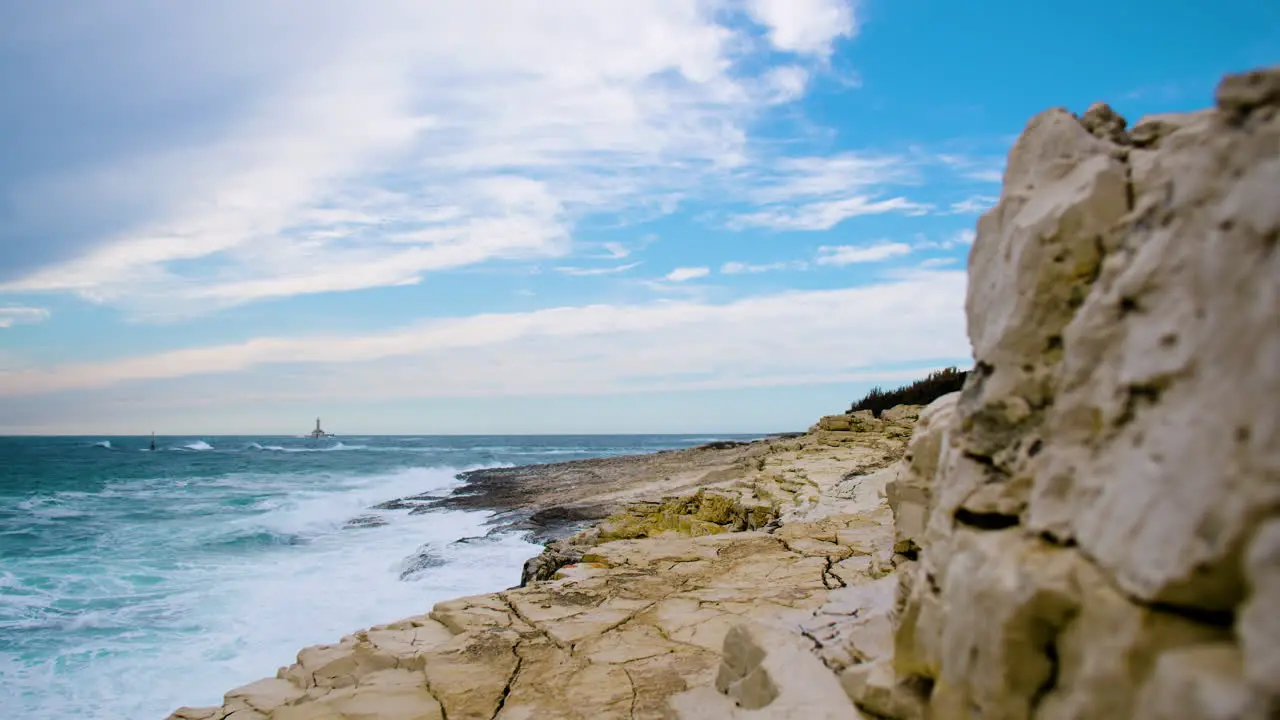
x=682, y=274
x=820, y=192
x=933, y=263
x=825, y=215
x=840, y=255
x=829, y=177
x=786, y=83
x=1169, y=91
x=585, y=272
x=850, y=254
x=615, y=250
x=377, y=145
x=978, y=169
x=11, y=315
x=587, y=349
x=974, y=205
x=957, y=239
x=738, y=268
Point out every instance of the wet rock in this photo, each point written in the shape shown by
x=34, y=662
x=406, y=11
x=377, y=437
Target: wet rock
x=365, y=521
x=416, y=565
x=399, y=504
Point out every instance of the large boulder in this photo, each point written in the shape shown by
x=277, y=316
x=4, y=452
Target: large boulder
x=1092, y=527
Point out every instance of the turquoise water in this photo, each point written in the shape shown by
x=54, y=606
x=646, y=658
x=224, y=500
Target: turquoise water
x=132, y=582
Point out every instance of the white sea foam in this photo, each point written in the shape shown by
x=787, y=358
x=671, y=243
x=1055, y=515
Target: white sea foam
x=198, y=445
x=239, y=590
x=103, y=444
x=307, y=449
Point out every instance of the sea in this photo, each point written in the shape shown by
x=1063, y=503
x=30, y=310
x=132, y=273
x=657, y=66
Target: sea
x=133, y=582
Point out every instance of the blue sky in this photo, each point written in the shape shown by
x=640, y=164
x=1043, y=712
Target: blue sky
x=519, y=216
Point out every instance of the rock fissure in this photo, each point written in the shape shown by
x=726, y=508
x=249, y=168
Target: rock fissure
x=830, y=578
x=511, y=681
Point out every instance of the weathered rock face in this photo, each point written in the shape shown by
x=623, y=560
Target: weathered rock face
x=1092, y=527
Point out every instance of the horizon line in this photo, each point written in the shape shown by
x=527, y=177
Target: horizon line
x=350, y=435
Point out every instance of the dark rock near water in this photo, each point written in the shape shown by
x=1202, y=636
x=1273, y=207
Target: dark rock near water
x=723, y=444
x=365, y=521
x=544, y=566
x=398, y=504
x=418, y=563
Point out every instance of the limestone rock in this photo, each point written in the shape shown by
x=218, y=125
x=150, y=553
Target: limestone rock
x=766, y=673
x=1258, y=627
x=1106, y=653
x=875, y=688
x=546, y=564
x=853, y=627
x=901, y=414
x=1034, y=260
x=1246, y=92
x=835, y=422
x=1198, y=682
x=1081, y=531
x=908, y=493
x=639, y=621
x=200, y=713
x=1003, y=601
x=1165, y=451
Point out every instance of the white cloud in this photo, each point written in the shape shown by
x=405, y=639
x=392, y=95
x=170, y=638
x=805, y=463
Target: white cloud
x=738, y=268
x=786, y=83
x=848, y=254
x=958, y=238
x=987, y=175
x=682, y=274
x=788, y=338
x=974, y=205
x=377, y=144
x=11, y=315
x=615, y=250
x=826, y=214
x=830, y=177
x=980, y=169
x=932, y=263
x=817, y=193
x=804, y=26
x=586, y=272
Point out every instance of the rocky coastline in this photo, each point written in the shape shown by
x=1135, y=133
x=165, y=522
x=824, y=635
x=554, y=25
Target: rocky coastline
x=1089, y=529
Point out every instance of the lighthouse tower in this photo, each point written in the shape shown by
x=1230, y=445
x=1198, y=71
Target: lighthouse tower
x=318, y=433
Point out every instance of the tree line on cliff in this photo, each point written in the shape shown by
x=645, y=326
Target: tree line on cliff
x=921, y=392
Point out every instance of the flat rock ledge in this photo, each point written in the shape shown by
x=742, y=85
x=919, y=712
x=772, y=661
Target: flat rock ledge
x=620, y=618
x=1089, y=529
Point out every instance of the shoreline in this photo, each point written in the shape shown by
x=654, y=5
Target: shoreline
x=551, y=501
x=729, y=499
